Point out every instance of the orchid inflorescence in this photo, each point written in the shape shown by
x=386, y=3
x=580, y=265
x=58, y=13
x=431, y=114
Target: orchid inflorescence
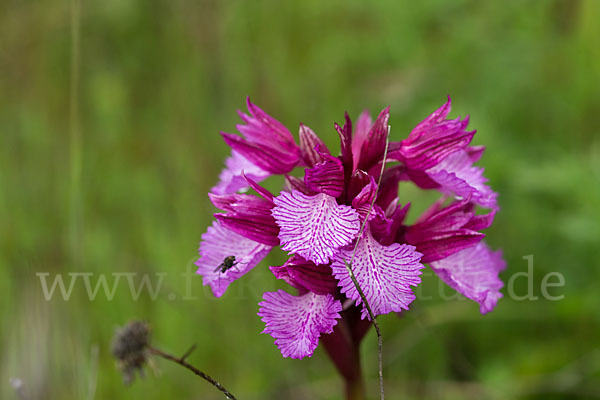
x=318, y=220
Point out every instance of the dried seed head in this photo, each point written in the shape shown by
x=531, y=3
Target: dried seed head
x=129, y=347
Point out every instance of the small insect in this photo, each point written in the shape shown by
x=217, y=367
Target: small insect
x=228, y=263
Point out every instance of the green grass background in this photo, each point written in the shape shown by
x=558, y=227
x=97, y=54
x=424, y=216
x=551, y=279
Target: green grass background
x=158, y=80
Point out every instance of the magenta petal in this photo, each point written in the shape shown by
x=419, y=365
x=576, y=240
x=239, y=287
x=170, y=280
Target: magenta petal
x=264, y=193
x=275, y=161
x=438, y=143
x=440, y=232
x=432, y=140
x=282, y=272
x=384, y=273
x=385, y=226
x=263, y=129
x=241, y=202
x=444, y=244
x=294, y=183
x=362, y=201
x=296, y=322
x=326, y=177
x=231, y=179
x=266, y=142
x=479, y=222
x=218, y=243
x=388, y=191
x=474, y=273
x=374, y=146
x=306, y=275
x=312, y=147
x=358, y=180
x=314, y=226
x=345, y=133
x=258, y=228
x=475, y=152
x=363, y=124
x=248, y=215
x=436, y=117
x=457, y=176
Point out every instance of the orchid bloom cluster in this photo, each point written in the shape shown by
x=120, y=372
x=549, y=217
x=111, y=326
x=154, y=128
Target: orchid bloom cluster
x=317, y=219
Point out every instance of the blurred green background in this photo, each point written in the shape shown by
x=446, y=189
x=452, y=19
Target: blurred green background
x=111, y=175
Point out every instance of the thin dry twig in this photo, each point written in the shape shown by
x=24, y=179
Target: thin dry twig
x=358, y=288
x=181, y=361
x=131, y=347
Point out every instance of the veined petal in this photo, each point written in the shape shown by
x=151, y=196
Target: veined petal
x=294, y=183
x=296, y=322
x=275, y=161
x=384, y=273
x=457, y=176
x=473, y=272
x=312, y=147
x=475, y=152
x=363, y=124
x=282, y=272
x=363, y=199
x=388, y=190
x=218, y=243
x=385, y=226
x=439, y=142
x=436, y=117
x=314, y=226
x=231, y=179
x=373, y=147
x=432, y=140
x=440, y=232
x=263, y=129
x=326, y=176
x=306, y=275
x=264, y=193
x=254, y=227
x=345, y=133
x=241, y=202
x=248, y=215
x=358, y=180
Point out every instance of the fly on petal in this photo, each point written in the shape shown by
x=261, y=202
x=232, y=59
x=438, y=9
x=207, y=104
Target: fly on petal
x=219, y=243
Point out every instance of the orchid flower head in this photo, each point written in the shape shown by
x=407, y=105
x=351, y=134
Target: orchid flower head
x=346, y=209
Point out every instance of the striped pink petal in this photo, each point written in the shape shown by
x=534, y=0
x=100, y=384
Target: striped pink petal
x=314, y=226
x=231, y=179
x=457, y=176
x=305, y=275
x=473, y=272
x=296, y=322
x=326, y=176
x=384, y=273
x=218, y=243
